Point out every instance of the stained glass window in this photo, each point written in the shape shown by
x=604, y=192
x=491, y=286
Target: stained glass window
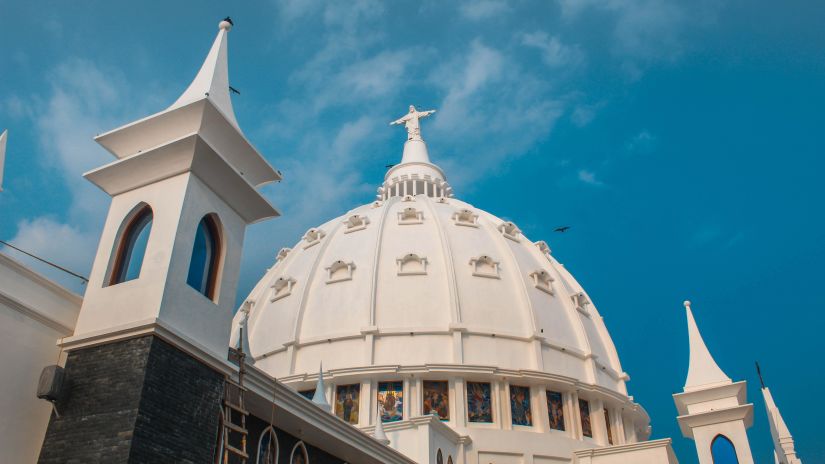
x=391, y=401
x=555, y=409
x=520, y=405
x=584, y=411
x=479, y=402
x=347, y=399
x=607, y=424
x=436, y=398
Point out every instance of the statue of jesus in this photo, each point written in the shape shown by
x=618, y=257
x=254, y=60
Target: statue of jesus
x=410, y=121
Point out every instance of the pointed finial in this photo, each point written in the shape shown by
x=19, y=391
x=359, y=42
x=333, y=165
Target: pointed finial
x=759, y=373
x=702, y=368
x=320, y=398
x=226, y=24
x=379, y=434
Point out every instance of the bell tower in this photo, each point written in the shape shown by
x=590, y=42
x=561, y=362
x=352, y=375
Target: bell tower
x=713, y=410
x=146, y=364
x=183, y=190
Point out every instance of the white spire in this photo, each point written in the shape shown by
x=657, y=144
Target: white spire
x=378, y=433
x=320, y=398
x=703, y=370
x=782, y=439
x=3, y=138
x=212, y=81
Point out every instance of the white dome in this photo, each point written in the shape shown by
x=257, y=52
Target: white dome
x=414, y=271
x=417, y=286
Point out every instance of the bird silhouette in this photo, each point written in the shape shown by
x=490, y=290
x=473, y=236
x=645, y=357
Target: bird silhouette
x=234, y=90
x=561, y=229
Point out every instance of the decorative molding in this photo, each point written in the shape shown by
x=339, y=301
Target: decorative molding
x=411, y=264
x=339, y=271
x=485, y=266
x=356, y=222
x=282, y=288
x=313, y=237
x=410, y=215
x=510, y=230
x=543, y=281
x=465, y=217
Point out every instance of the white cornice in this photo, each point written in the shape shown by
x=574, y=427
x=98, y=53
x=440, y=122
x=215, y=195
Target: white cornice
x=35, y=314
x=419, y=421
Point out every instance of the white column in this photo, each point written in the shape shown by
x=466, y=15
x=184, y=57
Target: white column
x=541, y=417
x=458, y=401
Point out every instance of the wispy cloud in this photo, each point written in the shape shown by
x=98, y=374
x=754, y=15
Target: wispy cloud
x=589, y=177
x=554, y=53
x=482, y=9
x=644, y=142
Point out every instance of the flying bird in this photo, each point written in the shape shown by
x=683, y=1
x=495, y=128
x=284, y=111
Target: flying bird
x=234, y=90
x=561, y=229
x=229, y=20
x=389, y=166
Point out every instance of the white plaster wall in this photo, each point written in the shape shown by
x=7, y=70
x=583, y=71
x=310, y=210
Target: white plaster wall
x=34, y=315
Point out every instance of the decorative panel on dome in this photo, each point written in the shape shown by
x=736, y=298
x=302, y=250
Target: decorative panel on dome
x=543, y=247
x=410, y=216
x=581, y=302
x=466, y=217
x=340, y=271
x=282, y=254
x=485, y=266
x=355, y=222
x=313, y=237
x=282, y=288
x=411, y=264
x=510, y=230
x=543, y=281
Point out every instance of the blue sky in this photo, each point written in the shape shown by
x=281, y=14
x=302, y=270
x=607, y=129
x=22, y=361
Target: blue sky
x=682, y=141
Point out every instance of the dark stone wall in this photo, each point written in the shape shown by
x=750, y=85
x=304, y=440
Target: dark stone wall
x=135, y=401
x=286, y=442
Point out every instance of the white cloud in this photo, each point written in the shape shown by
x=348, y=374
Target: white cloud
x=583, y=114
x=644, y=142
x=589, y=177
x=58, y=242
x=482, y=9
x=83, y=100
x=553, y=52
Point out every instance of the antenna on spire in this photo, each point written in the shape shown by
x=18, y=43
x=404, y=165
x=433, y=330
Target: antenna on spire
x=759, y=373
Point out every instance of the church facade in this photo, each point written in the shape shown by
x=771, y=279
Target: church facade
x=416, y=328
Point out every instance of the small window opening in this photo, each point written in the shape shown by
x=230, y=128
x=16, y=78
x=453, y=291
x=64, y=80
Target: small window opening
x=203, y=266
x=132, y=247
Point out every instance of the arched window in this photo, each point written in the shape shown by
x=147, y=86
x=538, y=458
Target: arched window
x=299, y=454
x=439, y=458
x=723, y=451
x=132, y=246
x=268, y=447
x=203, y=267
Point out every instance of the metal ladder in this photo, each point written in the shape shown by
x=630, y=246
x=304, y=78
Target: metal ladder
x=234, y=414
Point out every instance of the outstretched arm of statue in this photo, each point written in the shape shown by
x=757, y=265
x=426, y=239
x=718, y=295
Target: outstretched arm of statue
x=426, y=113
x=398, y=121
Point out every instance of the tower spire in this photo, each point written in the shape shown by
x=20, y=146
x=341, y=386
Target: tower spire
x=783, y=444
x=703, y=370
x=320, y=397
x=212, y=81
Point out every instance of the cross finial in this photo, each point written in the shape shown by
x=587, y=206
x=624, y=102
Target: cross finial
x=410, y=121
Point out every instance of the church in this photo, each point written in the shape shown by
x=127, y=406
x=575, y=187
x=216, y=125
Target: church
x=414, y=329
